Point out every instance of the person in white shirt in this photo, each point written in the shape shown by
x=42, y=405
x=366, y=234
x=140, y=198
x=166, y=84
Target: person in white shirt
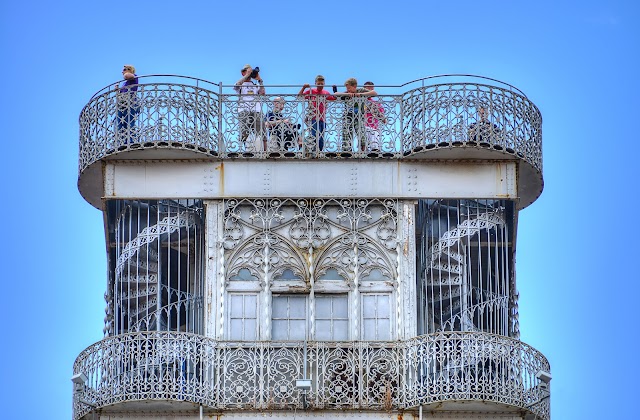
x=250, y=105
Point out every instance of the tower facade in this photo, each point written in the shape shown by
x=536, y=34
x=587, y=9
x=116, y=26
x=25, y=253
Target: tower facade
x=272, y=269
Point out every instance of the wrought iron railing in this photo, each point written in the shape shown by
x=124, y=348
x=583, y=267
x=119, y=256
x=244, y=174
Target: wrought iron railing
x=460, y=366
x=432, y=113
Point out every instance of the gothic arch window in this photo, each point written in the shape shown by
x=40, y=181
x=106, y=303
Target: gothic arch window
x=310, y=264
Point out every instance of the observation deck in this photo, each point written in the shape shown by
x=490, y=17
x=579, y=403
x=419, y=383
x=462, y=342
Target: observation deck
x=440, y=119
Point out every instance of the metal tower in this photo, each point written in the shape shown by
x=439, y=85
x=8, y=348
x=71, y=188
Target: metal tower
x=269, y=269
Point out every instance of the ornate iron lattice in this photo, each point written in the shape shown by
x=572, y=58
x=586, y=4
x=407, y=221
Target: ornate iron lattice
x=201, y=116
x=310, y=236
x=303, y=246
x=398, y=375
x=155, y=257
x=465, y=266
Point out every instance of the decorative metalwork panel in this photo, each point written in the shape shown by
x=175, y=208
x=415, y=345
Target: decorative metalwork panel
x=156, y=266
x=208, y=118
x=165, y=114
x=310, y=237
x=465, y=266
x=472, y=114
x=305, y=247
x=359, y=375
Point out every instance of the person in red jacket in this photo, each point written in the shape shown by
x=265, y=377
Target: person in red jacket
x=316, y=112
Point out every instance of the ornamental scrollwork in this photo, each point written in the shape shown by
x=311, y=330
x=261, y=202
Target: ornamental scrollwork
x=269, y=236
x=310, y=228
x=222, y=375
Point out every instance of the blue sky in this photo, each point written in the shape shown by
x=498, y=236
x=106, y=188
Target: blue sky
x=576, y=60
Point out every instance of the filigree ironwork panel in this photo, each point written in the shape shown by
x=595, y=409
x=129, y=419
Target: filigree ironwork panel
x=165, y=114
x=267, y=237
x=397, y=375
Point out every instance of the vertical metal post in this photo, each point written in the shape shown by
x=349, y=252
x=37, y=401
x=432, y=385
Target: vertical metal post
x=304, y=359
x=160, y=270
x=221, y=148
x=423, y=115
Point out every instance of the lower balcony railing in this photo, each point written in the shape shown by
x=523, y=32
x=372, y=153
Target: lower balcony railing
x=182, y=367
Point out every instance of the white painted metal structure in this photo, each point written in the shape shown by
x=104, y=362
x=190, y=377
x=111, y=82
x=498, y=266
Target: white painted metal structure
x=385, y=277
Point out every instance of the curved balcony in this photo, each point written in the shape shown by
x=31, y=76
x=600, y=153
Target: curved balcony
x=442, y=117
x=439, y=372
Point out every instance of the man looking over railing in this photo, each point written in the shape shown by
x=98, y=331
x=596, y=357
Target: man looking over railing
x=315, y=116
x=249, y=105
x=353, y=117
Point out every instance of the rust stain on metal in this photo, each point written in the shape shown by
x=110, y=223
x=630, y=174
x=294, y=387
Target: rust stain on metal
x=221, y=178
x=408, y=215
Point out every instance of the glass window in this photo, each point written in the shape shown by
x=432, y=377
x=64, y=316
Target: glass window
x=332, y=318
x=243, y=274
x=289, y=318
x=376, y=317
x=243, y=317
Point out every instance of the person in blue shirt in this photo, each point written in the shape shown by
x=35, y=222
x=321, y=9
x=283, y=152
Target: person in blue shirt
x=128, y=107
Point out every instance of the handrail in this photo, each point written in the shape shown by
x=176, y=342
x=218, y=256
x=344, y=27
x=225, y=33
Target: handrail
x=400, y=375
x=199, y=81
x=473, y=76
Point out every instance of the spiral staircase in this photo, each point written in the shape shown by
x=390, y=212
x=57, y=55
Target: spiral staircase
x=454, y=294
x=153, y=289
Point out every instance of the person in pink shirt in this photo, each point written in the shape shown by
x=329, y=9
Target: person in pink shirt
x=316, y=111
x=373, y=116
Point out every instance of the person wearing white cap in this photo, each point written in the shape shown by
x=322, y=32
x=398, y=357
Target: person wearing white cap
x=249, y=105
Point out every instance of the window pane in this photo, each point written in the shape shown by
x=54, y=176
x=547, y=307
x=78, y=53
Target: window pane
x=280, y=330
x=341, y=307
x=236, y=329
x=245, y=275
x=332, y=318
x=383, y=306
x=297, y=330
x=376, y=314
x=279, y=307
x=242, y=317
x=289, y=318
x=369, y=329
x=297, y=307
x=250, y=329
x=287, y=275
x=323, y=330
x=369, y=306
x=323, y=308
x=331, y=274
x=250, y=306
x=384, y=330
x=341, y=330
x=236, y=306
